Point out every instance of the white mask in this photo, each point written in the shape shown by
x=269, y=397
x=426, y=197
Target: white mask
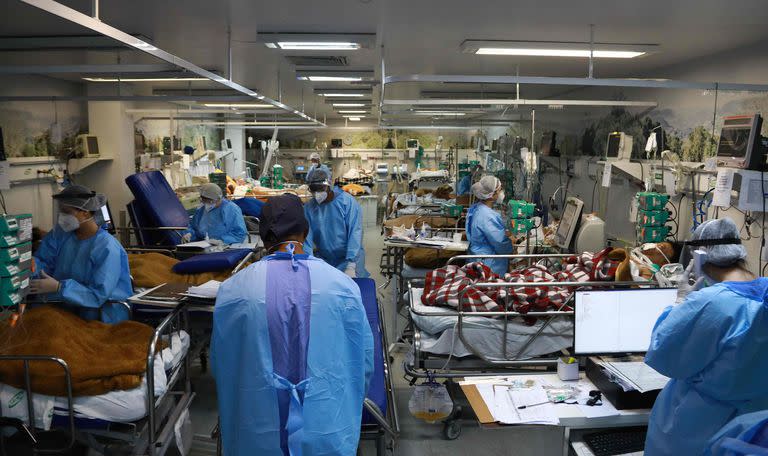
x=500, y=198
x=320, y=197
x=68, y=222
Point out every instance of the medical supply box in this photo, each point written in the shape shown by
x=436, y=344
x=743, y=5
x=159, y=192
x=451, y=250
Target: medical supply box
x=622, y=400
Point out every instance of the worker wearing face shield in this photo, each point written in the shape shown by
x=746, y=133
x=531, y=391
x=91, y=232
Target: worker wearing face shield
x=485, y=227
x=217, y=220
x=315, y=165
x=712, y=345
x=79, y=264
x=291, y=350
x=335, y=227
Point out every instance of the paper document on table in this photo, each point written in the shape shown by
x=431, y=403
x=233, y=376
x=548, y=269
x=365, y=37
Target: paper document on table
x=640, y=375
x=538, y=409
x=195, y=245
x=206, y=290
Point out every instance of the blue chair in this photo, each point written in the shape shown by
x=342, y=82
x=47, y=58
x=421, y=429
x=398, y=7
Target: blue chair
x=156, y=209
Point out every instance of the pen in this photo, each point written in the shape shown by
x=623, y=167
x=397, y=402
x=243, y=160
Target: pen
x=534, y=405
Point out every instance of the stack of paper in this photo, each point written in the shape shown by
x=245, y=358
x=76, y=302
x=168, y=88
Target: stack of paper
x=206, y=290
x=635, y=376
x=504, y=402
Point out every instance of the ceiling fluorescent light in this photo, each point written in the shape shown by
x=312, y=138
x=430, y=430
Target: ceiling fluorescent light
x=557, y=49
x=560, y=53
x=353, y=112
x=317, y=46
x=439, y=113
x=354, y=119
x=342, y=95
x=90, y=79
x=348, y=105
x=353, y=116
x=238, y=105
x=331, y=78
x=334, y=76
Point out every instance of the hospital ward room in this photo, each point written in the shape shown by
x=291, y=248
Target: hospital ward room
x=383, y=228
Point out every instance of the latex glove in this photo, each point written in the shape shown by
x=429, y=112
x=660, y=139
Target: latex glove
x=44, y=285
x=351, y=270
x=186, y=238
x=688, y=284
x=215, y=242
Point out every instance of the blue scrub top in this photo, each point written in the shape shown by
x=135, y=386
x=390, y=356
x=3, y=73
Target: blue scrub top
x=486, y=234
x=713, y=347
x=336, y=232
x=91, y=272
x=464, y=185
x=314, y=168
x=224, y=223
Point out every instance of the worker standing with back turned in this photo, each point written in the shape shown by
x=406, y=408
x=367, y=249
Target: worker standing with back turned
x=291, y=350
x=335, y=227
x=712, y=345
x=485, y=227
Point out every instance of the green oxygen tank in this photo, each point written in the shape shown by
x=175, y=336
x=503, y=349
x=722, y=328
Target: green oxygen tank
x=277, y=177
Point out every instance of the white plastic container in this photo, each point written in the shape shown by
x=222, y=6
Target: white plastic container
x=567, y=372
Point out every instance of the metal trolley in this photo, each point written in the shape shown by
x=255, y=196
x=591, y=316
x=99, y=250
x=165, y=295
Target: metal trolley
x=427, y=365
x=152, y=435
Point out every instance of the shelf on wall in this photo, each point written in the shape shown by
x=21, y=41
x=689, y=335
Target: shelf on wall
x=77, y=165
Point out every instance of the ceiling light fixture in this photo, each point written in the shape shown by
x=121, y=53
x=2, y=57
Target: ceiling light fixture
x=291, y=41
x=344, y=95
x=353, y=116
x=354, y=119
x=348, y=105
x=334, y=75
x=238, y=105
x=330, y=78
x=557, y=49
x=92, y=79
x=439, y=113
x=353, y=112
x=317, y=46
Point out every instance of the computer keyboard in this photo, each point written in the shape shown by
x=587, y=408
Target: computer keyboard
x=616, y=441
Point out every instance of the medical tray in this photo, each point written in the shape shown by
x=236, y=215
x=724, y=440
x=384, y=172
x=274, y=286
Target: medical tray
x=622, y=400
x=20, y=253
x=17, y=282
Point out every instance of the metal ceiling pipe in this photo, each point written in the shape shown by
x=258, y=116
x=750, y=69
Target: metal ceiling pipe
x=72, y=15
x=504, y=101
x=157, y=98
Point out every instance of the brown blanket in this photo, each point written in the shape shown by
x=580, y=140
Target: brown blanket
x=101, y=357
x=153, y=269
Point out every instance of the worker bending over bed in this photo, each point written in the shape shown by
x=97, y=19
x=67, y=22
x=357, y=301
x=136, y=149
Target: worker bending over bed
x=335, y=227
x=712, y=345
x=80, y=264
x=218, y=220
x=292, y=350
x=485, y=227
x=315, y=165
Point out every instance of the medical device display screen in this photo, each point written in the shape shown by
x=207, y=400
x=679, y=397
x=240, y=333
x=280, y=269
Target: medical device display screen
x=565, y=230
x=612, y=150
x=104, y=219
x=618, y=321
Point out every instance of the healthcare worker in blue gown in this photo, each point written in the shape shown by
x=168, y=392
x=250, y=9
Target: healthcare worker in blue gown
x=751, y=428
x=465, y=183
x=315, y=165
x=335, y=227
x=292, y=350
x=218, y=220
x=712, y=345
x=79, y=265
x=485, y=227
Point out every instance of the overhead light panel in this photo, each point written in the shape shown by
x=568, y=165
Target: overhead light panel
x=557, y=49
x=334, y=76
x=348, y=105
x=342, y=95
x=238, y=105
x=353, y=112
x=354, y=119
x=330, y=78
x=94, y=79
x=317, y=41
x=439, y=113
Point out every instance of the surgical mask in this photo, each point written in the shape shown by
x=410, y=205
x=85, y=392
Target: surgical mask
x=500, y=198
x=68, y=222
x=320, y=197
x=209, y=207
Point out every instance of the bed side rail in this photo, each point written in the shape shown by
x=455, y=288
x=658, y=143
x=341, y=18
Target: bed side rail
x=29, y=429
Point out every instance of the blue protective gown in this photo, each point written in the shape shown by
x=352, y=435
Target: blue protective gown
x=486, y=234
x=750, y=428
x=336, y=232
x=292, y=354
x=465, y=184
x=314, y=168
x=712, y=346
x=91, y=272
x=224, y=223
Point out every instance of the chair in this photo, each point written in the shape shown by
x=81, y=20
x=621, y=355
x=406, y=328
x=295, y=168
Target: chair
x=156, y=211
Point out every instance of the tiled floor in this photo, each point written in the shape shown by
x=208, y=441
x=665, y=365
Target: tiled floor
x=416, y=436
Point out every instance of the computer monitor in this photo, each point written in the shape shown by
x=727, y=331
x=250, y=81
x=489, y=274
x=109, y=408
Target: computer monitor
x=569, y=222
x=104, y=219
x=618, y=321
x=548, y=144
x=740, y=145
x=618, y=147
x=299, y=168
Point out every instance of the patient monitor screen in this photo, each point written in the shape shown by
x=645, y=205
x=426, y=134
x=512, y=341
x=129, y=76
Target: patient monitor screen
x=618, y=321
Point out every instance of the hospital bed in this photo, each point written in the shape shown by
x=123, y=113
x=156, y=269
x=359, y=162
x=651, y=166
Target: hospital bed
x=141, y=421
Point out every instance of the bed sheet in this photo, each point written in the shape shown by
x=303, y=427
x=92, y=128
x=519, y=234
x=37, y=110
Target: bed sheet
x=115, y=406
x=440, y=335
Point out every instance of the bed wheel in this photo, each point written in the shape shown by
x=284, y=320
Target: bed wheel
x=451, y=430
